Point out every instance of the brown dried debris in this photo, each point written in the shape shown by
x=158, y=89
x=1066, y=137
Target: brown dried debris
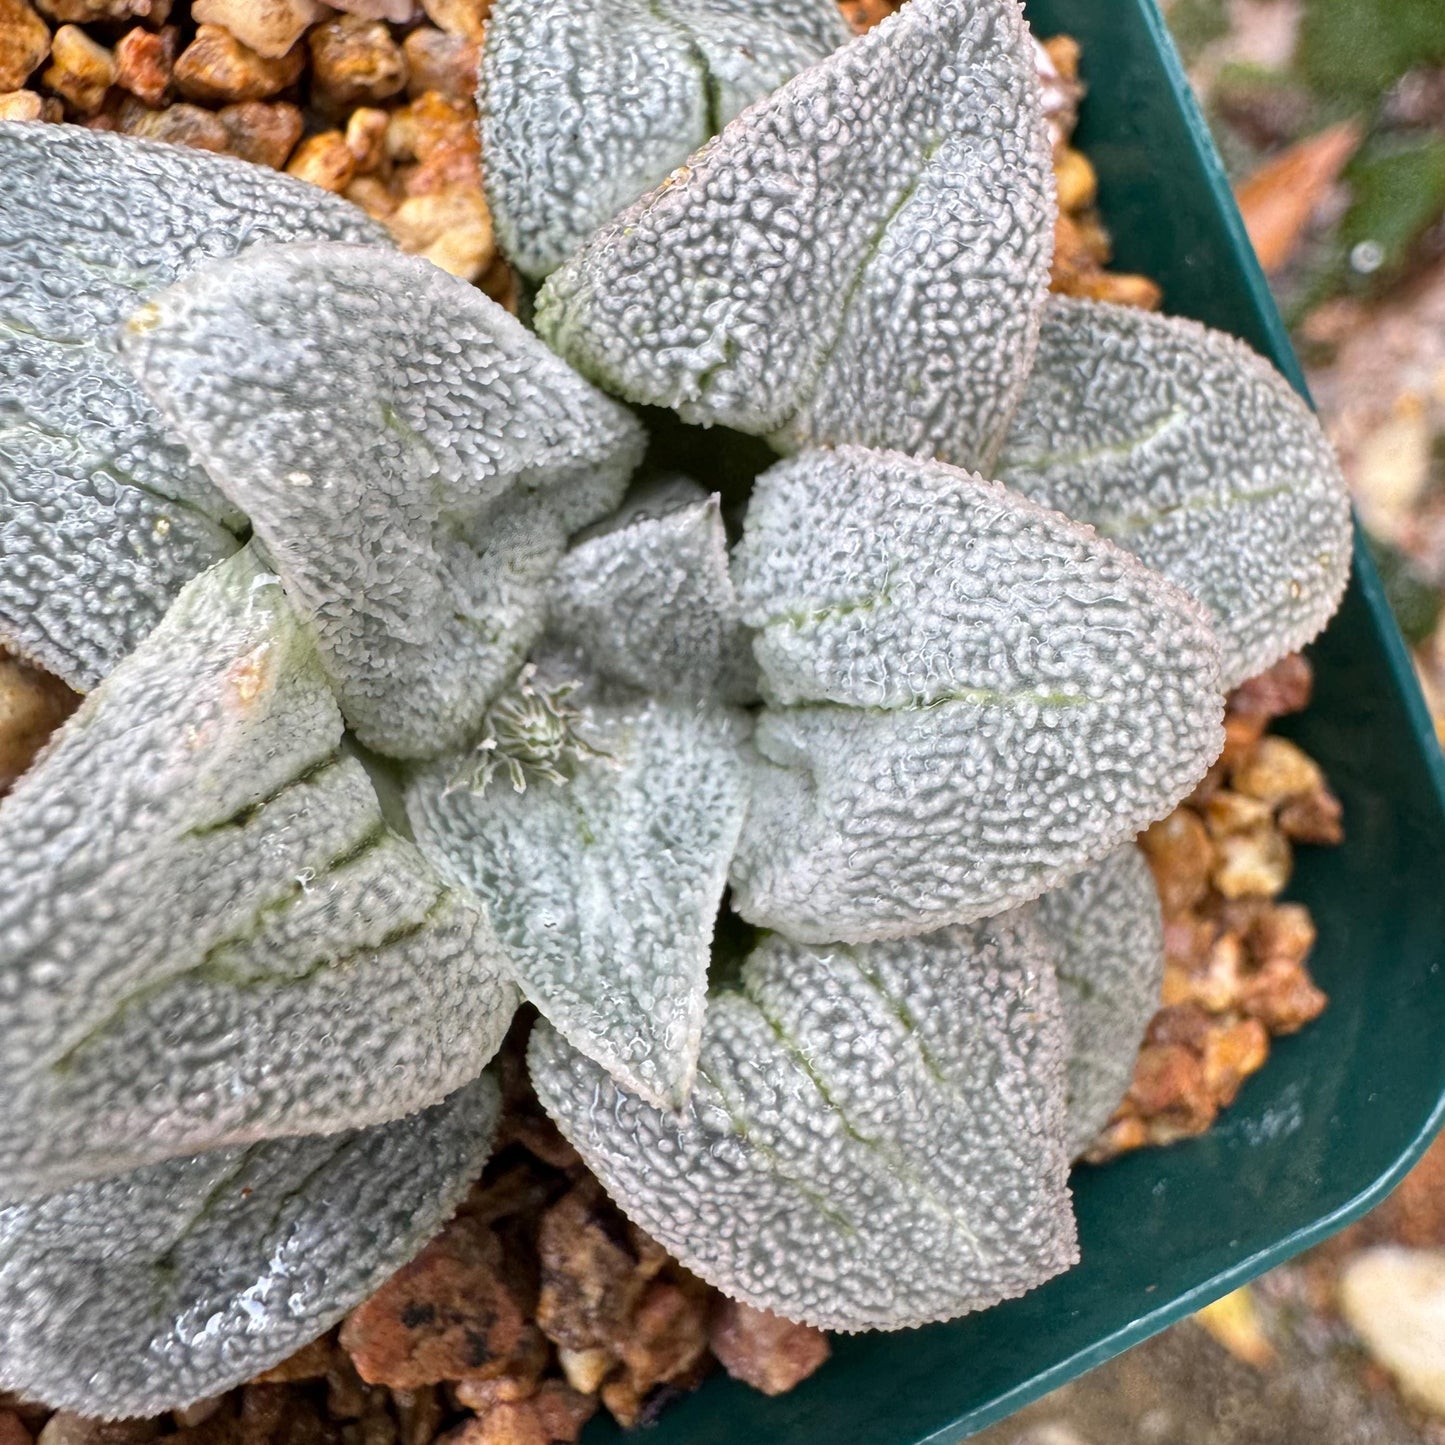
x=1235, y=959
x=762, y=1350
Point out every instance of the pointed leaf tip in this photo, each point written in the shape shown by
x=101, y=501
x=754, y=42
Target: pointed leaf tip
x=604, y=888
x=888, y=213
x=1183, y=446
x=208, y=933
x=412, y=458
x=970, y=697
x=153, y=1290
x=108, y=516
x=584, y=107
x=875, y=1140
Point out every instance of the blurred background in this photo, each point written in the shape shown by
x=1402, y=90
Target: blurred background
x=1330, y=115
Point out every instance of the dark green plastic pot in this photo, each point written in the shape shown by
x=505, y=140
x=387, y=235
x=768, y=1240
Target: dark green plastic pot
x=1342, y=1110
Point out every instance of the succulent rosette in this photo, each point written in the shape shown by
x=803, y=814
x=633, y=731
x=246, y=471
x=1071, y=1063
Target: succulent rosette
x=413, y=687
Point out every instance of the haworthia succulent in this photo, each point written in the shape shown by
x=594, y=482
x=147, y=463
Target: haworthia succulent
x=411, y=457
x=648, y=602
x=153, y=1290
x=207, y=933
x=875, y=1139
x=584, y=107
x=1108, y=936
x=1182, y=445
x=971, y=697
x=604, y=888
x=105, y=515
x=860, y=258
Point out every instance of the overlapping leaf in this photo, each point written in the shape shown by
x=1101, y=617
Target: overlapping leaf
x=413, y=459
x=875, y=1139
x=153, y=1290
x=103, y=514
x=862, y=257
x=648, y=601
x=207, y=933
x=1182, y=445
x=972, y=697
x=584, y=107
x=1108, y=936
x=604, y=888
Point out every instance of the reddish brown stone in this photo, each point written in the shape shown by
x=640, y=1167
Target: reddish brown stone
x=446, y=64
x=1232, y=1052
x=264, y=132
x=354, y=60
x=590, y=1282
x=32, y=705
x=1188, y=1024
x=12, y=1429
x=310, y=1362
x=269, y=27
x=325, y=160
x=1316, y=818
x=456, y=1311
x=88, y=12
x=1181, y=856
x=762, y=1350
x=1169, y=1083
x=217, y=67
x=24, y=43
x=181, y=124
x=1285, y=688
x=1282, y=996
x=80, y=70
x=467, y=18
x=145, y=61
x=667, y=1335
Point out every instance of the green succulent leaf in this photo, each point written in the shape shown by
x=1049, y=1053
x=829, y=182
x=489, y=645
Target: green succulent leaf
x=150, y=1291
x=971, y=697
x=875, y=1139
x=103, y=515
x=648, y=601
x=584, y=107
x=604, y=886
x=207, y=932
x=862, y=257
x=1108, y=934
x=1183, y=446
x=412, y=458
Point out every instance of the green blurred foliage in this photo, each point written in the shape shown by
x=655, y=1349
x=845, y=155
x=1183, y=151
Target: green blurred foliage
x=1196, y=23
x=1399, y=193
x=1354, y=50
x=1416, y=603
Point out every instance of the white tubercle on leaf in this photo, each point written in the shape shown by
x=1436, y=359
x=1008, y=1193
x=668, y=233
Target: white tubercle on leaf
x=1108, y=936
x=584, y=107
x=648, y=602
x=862, y=257
x=208, y=935
x=159, y=1288
x=970, y=696
x=604, y=886
x=875, y=1139
x=412, y=458
x=106, y=516
x=1182, y=445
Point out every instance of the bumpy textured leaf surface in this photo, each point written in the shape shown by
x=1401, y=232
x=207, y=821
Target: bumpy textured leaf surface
x=150, y=1291
x=584, y=107
x=1182, y=445
x=413, y=459
x=649, y=603
x=860, y=258
x=207, y=933
x=875, y=1139
x=604, y=890
x=972, y=697
x=103, y=514
x=1108, y=935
